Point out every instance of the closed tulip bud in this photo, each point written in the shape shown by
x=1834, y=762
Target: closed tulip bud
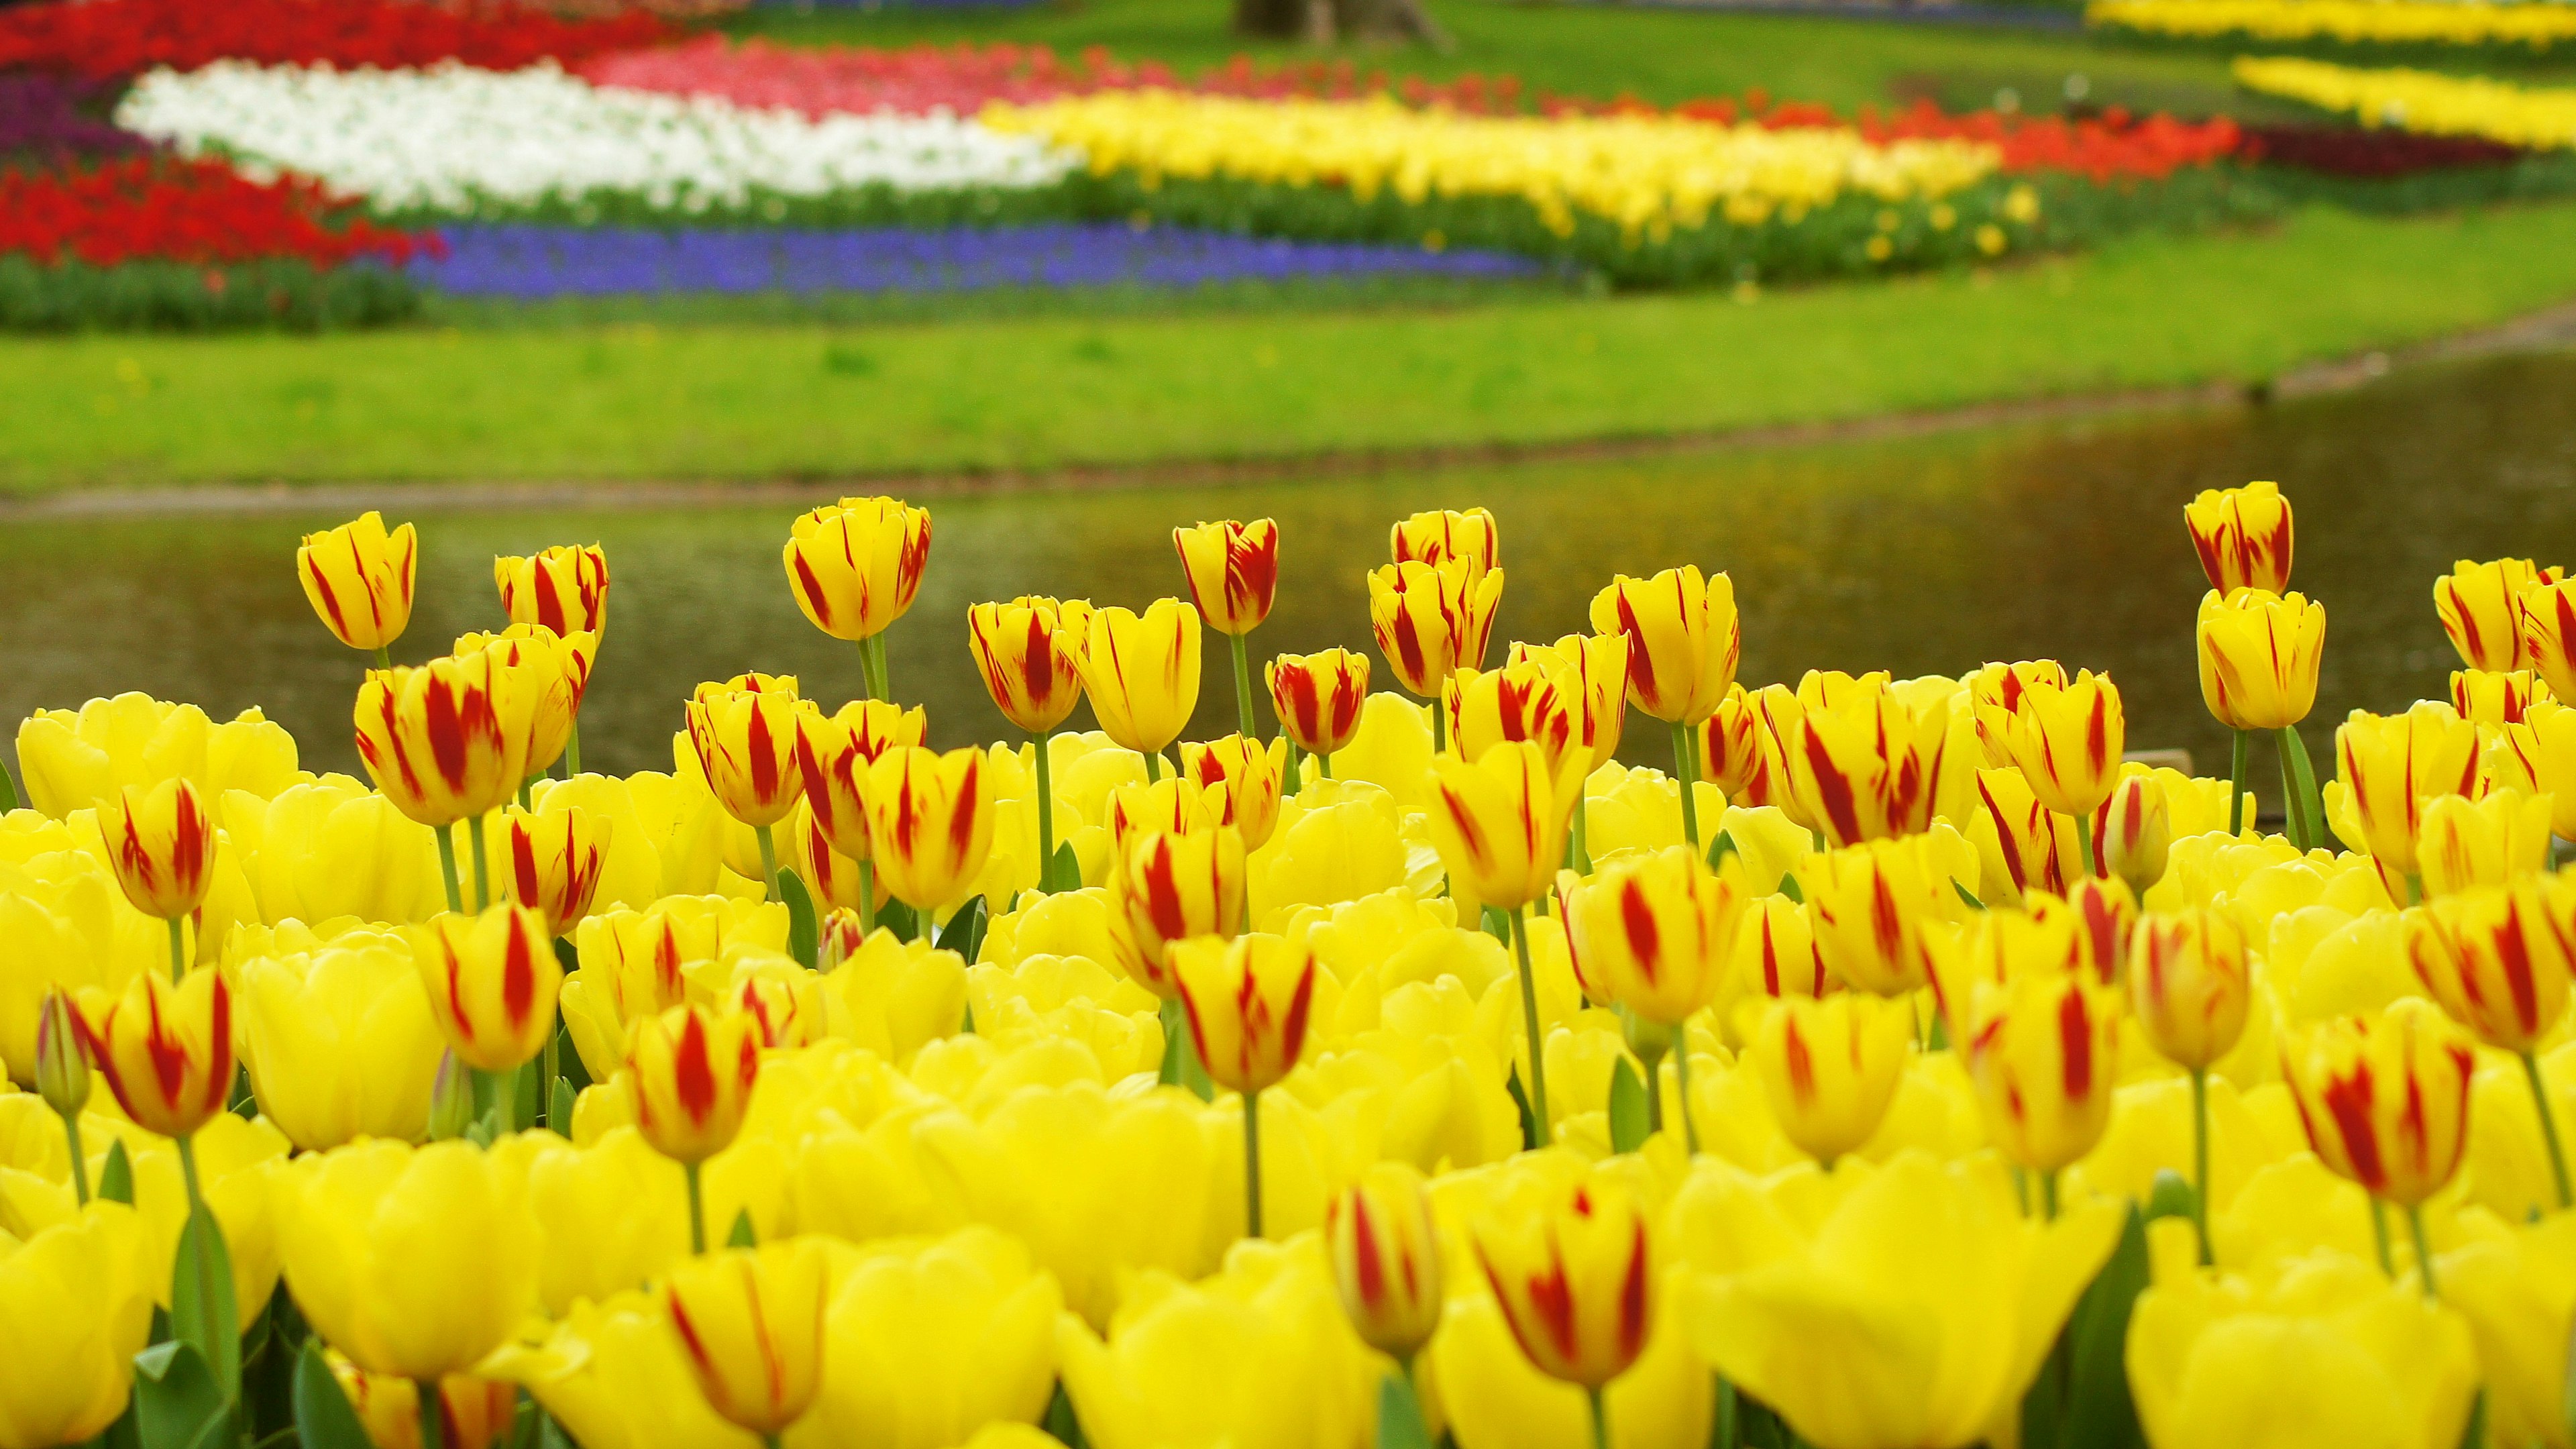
x=1177, y=804
x=2393, y=765
x=2105, y=915
x=557, y=671
x=2068, y=742
x=1775, y=950
x=784, y=1003
x=1172, y=887
x=2189, y=983
x=1431, y=620
x=1515, y=702
x=1739, y=754
x=166, y=1051
x=2483, y=610
x=2385, y=1098
x=2494, y=698
x=1142, y=673
x=750, y=1323
x=1997, y=692
x=2133, y=831
x=1684, y=639
x=1248, y=1002
x=688, y=1080
x=75, y=1308
x=1233, y=571
x=2243, y=535
x=551, y=862
x=855, y=566
x=1591, y=673
x=434, y=739
x=1575, y=1280
x=1500, y=821
x=2549, y=634
x=2034, y=847
x=1028, y=651
x=1830, y=1066
x=2039, y=1054
x=2538, y=757
x=1869, y=905
x=492, y=981
x=2490, y=841
x=1656, y=931
x=1244, y=774
x=2497, y=959
x=2259, y=655
x=841, y=937
x=1318, y=697
x=62, y=1064
x=833, y=755
x=564, y=588
x=746, y=743
x=339, y=1041
x=1439, y=535
x=1386, y=1258
x=1862, y=764
x=930, y=817
x=161, y=844
x=359, y=577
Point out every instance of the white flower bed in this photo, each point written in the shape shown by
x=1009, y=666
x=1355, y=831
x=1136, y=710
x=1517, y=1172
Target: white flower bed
x=452, y=137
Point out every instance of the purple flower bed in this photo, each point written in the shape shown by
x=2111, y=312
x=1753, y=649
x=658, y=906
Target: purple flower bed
x=41, y=113
x=531, y=262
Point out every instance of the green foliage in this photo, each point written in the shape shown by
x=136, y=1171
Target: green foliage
x=2081, y=1397
x=1399, y=1415
x=964, y=933
x=804, y=927
x=323, y=1418
x=203, y=1312
x=282, y=296
x=1628, y=1114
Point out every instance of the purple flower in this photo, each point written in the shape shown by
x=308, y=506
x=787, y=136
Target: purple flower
x=41, y=113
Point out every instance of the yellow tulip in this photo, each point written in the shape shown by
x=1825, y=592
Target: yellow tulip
x=2495, y=840
x=2537, y=756
x=1870, y=903
x=1246, y=776
x=556, y=670
x=2259, y=655
x=2190, y=984
x=688, y=1079
x=166, y=1051
x=1142, y=672
x=1997, y=694
x=1173, y=886
x=929, y=1342
x=2243, y=535
x=1862, y=764
x=834, y=753
x=358, y=577
x=333, y=848
x=472, y=1413
x=1318, y=698
x=75, y=1308
x=2498, y=958
x=69, y=761
x=2549, y=634
x=1500, y=821
x=930, y=821
x=1655, y=932
x=412, y=1261
x=1029, y=652
x=1430, y=620
x=434, y=739
x=564, y=588
x=750, y=1325
x=613, y=1373
x=630, y=965
x=1386, y=1259
x=2039, y=1051
x=2483, y=610
x=551, y=862
x=1439, y=535
x=1740, y=754
x=2385, y=1099
x=161, y=844
x=1248, y=1002
x=1775, y=950
x=339, y=1041
x=854, y=566
x=2133, y=831
x=1576, y=1280
x=746, y=744
x=492, y=981
x=1684, y=639
x=2518, y=1293
x=1591, y=673
x=2067, y=742
x=1516, y=702
x=2391, y=765
x=1830, y=1067
x=2493, y=698
x=1233, y=571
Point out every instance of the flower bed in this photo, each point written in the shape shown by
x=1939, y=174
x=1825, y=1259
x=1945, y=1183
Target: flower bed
x=108, y=38
x=2439, y=23
x=201, y=213
x=2422, y=102
x=41, y=116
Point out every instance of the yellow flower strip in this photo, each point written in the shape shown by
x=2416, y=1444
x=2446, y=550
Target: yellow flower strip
x=2421, y=101
x=1645, y=173
x=2369, y=22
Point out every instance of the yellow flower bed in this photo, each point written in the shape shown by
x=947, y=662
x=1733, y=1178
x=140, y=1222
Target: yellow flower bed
x=2352, y=22
x=2421, y=101
x=1642, y=172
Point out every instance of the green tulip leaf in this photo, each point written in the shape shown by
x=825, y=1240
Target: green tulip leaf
x=804, y=924
x=1520, y=1099
x=1967, y=895
x=2475, y=1435
x=1725, y=1420
x=2099, y=1412
x=1789, y=887
x=1762, y=1427
x=1498, y=924
x=1060, y=1421
x=2170, y=1197
x=900, y=919
x=8, y=789
x=323, y=1418
x=524, y=1096
x=1064, y=872
x=2570, y=1401
x=559, y=1107
x=551, y=1435
x=176, y=1402
x=964, y=933
x=203, y=1314
x=743, y=1234
x=1399, y=1416
x=1628, y=1116
x=1722, y=847
x=116, y=1178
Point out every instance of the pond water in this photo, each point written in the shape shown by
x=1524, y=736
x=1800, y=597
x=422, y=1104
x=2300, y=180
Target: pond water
x=1924, y=554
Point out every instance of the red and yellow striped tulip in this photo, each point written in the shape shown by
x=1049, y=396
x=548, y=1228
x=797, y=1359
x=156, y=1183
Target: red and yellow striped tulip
x=2538, y=757
x=2494, y=698
x=555, y=670
x=1655, y=932
x=1575, y=1280
x=744, y=732
x=1684, y=639
x=1431, y=620
x=2497, y=958
x=854, y=566
x=1996, y=692
x=1775, y=950
x=2190, y=983
x=1175, y=885
x=492, y=981
x=1318, y=697
x=161, y=846
x=551, y=862
x=2244, y=536
x=358, y=577
x=2385, y=1098
x=1439, y=535
x=2068, y=740
x=434, y=738
x=1029, y=652
x=1386, y=1258
x=1142, y=672
x=1233, y=571
x=1249, y=1001
x=1863, y=764
x=1500, y=821
x=1180, y=803
x=688, y=1077
x=1247, y=776
x=2039, y=1052
x=930, y=819
x=1515, y=702
x=1830, y=1067
x=2133, y=831
x=2503, y=836
x=564, y=588
x=2259, y=655
x=2549, y=634
x=2485, y=612
x=166, y=1051
x=1739, y=754
x=1870, y=904
x=2393, y=765
x=1591, y=673
x=750, y=1322
x=833, y=755
x=2105, y=913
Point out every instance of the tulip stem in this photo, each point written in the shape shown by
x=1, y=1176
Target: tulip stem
x=1681, y=1082
x=2379, y=1231
x=482, y=870
x=874, y=655
x=447, y=866
x=2423, y=1249
x=2241, y=756
x=769, y=861
x=384, y=657
x=1686, y=770
x=80, y=1163
x=867, y=672
x=2048, y=1196
x=697, y=1209
x=178, y=948
x=188, y=1171
x=2084, y=844
x=550, y=1066
x=1440, y=720
x=433, y=1419
x=1324, y=763
x=2548, y=1128
x=2200, y=1161
x=572, y=749
x=1243, y=690
x=1600, y=1420
x=1046, y=811
x=1529, y=1013
x=1252, y=1163
x=1153, y=766
x=2293, y=809
x=867, y=898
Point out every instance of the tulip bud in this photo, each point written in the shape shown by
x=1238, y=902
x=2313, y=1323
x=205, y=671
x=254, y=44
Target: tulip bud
x=1386, y=1258
x=1500, y=822
x=1574, y=1281
x=166, y=1051
x=2392, y=764
x=492, y=981
x=1656, y=931
x=1869, y=905
x=1997, y=692
x=2497, y=958
x=1516, y=702
x=1176, y=804
x=930, y=817
x=2259, y=655
x=832, y=877
x=1174, y=886
x=1028, y=651
x=2483, y=610
x=854, y=566
x=2001, y=945
x=1591, y=673
x=2033, y=849
x=1775, y=950
x=62, y=1065
x=1318, y=697
x=746, y=743
x=434, y=741
x=833, y=754
x=2189, y=984
x=1862, y=764
x=1246, y=776
x=1739, y=754
x=2243, y=535
x=2490, y=841
x=359, y=579
x=1247, y=1000
x=688, y=1080
x=2385, y=1098
x=2067, y=742
x=473, y=1413
x=1233, y=571
x=2133, y=830
x=2039, y=1054
x=2549, y=634
x=1830, y=1067
x=1430, y=620
x=451, y=1099
x=556, y=679
x=2538, y=757
x=2494, y=698
x=1684, y=639
x=161, y=845
x=750, y=1324
x=551, y=862
x=2105, y=913
x=564, y=588
x=784, y=1003
x=1437, y=536
x=1142, y=673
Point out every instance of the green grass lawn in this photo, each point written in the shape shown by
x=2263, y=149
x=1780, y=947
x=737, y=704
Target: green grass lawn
x=747, y=402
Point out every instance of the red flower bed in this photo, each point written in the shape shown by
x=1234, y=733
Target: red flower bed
x=106, y=38
x=199, y=212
